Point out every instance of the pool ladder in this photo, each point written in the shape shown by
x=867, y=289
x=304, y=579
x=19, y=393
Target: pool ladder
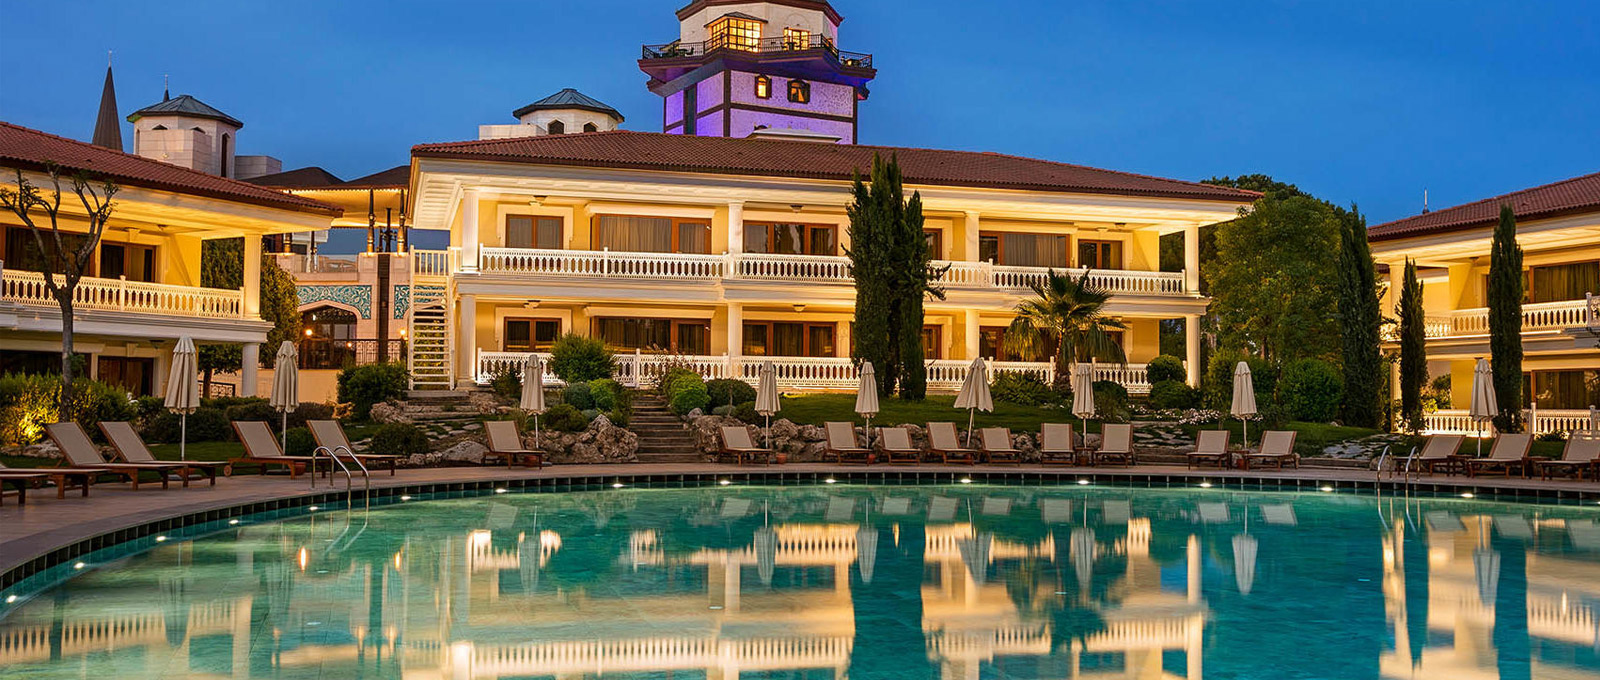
x=332, y=454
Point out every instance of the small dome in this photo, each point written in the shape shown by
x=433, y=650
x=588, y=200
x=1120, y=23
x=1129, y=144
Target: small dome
x=569, y=98
x=184, y=105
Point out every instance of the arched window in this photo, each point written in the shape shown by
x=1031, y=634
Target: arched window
x=799, y=91
x=224, y=163
x=763, y=87
x=590, y=127
x=329, y=338
x=556, y=127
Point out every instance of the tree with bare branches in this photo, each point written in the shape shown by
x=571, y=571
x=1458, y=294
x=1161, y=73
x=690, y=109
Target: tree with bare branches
x=65, y=263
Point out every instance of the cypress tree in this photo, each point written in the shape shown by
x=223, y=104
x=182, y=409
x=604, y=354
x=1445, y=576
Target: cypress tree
x=890, y=263
x=1505, y=321
x=869, y=264
x=1360, y=311
x=1413, y=350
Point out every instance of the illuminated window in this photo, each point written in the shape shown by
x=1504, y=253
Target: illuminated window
x=796, y=38
x=763, y=87
x=735, y=33
x=799, y=91
x=556, y=127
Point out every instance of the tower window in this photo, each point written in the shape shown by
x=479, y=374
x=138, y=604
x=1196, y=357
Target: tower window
x=590, y=127
x=763, y=87
x=735, y=33
x=799, y=91
x=796, y=39
x=556, y=127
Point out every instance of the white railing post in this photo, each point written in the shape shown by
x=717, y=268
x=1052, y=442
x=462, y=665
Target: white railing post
x=122, y=293
x=638, y=368
x=605, y=261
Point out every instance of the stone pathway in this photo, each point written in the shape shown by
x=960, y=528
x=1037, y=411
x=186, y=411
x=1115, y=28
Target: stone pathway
x=662, y=436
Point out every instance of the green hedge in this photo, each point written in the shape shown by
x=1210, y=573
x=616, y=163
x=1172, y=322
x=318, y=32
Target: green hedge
x=29, y=402
x=1311, y=390
x=1166, y=367
x=1173, y=394
x=1023, y=389
x=400, y=439
x=577, y=359
x=728, y=392
x=365, y=385
x=687, y=392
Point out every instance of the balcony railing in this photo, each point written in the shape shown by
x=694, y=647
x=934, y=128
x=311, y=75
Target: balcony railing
x=1541, y=421
x=331, y=353
x=122, y=295
x=768, y=267
x=679, y=50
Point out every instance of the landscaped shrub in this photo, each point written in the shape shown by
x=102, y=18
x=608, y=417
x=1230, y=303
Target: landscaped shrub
x=723, y=410
x=1111, y=401
x=300, y=442
x=727, y=391
x=507, y=384
x=1219, y=379
x=225, y=403
x=255, y=410
x=1166, y=367
x=1311, y=390
x=308, y=410
x=363, y=386
x=610, y=395
x=670, y=376
x=96, y=401
x=564, y=418
x=618, y=417
x=579, y=395
x=29, y=402
x=1173, y=394
x=746, y=411
x=577, y=359
x=399, y=439
x=206, y=424
x=1020, y=388
x=688, y=394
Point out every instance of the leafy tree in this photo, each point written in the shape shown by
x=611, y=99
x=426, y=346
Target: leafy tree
x=893, y=275
x=1413, y=350
x=222, y=266
x=1505, y=321
x=1359, y=310
x=1071, y=312
x=65, y=258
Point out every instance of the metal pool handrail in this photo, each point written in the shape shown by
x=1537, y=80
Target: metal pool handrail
x=349, y=479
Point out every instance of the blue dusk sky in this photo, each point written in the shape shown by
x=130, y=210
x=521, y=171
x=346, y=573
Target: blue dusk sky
x=1365, y=102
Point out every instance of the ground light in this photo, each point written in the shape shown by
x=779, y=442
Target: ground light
x=1327, y=489
x=405, y=498
x=830, y=480
x=725, y=482
x=160, y=539
x=966, y=480
x=499, y=490
x=1467, y=495
x=1083, y=482
x=1205, y=485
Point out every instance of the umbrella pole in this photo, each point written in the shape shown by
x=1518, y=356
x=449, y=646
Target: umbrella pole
x=1246, y=424
x=183, y=437
x=972, y=414
x=766, y=432
x=283, y=434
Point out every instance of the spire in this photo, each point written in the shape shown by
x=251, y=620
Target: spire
x=107, y=126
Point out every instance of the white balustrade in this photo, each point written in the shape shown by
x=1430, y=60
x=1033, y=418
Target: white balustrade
x=803, y=372
x=1132, y=376
x=1535, y=316
x=432, y=262
x=602, y=263
x=985, y=275
x=791, y=267
x=122, y=295
x=1540, y=421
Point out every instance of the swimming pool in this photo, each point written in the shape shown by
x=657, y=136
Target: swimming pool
x=963, y=581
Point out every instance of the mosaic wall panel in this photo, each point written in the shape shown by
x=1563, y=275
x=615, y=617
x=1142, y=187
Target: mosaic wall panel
x=357, y=296
x=402, y=301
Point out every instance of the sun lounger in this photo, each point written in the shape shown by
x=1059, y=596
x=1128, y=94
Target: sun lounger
x=505, y=443
x=19, y=481
x=330, y=433
x=1581, y=454
x=81, y=453
x=1510, y=451
x=1211, y=446
x=63, y=478
x=997, y=446
x=130, y=446
x=1439, y=451
x=946, y=444
x=261, y=448
x=1058, y=444
x=842, y=444
x=736, y=444
x=895, y=442
x=1116, y=444
x=1277, y=446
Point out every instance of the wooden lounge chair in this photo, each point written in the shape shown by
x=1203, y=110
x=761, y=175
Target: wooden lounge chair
x=261, y=448
x=20, y=481
x=946, y=444
x=1510, y=451
x=1439, y=451
x=842, y=444
x=1116, y=444
x=505, y=443
x=130, y=446
x=1582, y=453
x=1211, y=446
x=997, y=446
x=81, y=453
x=1277, y=446
x=63, y=478
x=895, y=442
x=736, y=444
x=330, y=433
x=1058, y=444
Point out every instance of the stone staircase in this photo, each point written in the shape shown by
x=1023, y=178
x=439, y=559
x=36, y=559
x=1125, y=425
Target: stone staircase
x=662, y=436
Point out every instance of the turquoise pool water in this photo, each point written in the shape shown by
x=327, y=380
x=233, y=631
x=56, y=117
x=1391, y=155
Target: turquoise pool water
x=843, y=581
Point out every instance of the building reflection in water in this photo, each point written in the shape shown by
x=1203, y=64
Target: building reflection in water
x=805, y=583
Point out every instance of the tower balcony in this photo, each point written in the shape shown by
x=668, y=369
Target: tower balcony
x=814, y=57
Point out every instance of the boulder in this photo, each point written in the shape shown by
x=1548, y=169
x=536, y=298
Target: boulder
x=390, y=412
x=483, y=402
x=464, y=452
x=601, y=442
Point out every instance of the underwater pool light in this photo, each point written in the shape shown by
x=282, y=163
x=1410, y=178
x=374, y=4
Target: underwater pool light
x=725, y=482
x=79, y=565
x=160, y=539
x=1467, y=495
x=500, y=490
x=405, y=498
x=830, y=480
x=1205, y=485
x=1083, y=482
x=233, y=521
x=1327, y=489
x=966, y=480
x=312, y=508
x=616, y=485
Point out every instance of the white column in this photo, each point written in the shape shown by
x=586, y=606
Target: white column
x=250, y=360
x=970, y=235
x=1191, y=347
x=252, y=276
x=971, y=334
x=735, y=227
x=467, y=348
x=1191, y=259
x=1192, y=561
x=735, y=338
x=469, y=231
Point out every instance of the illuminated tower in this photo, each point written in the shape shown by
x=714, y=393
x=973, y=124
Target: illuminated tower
x=758, y=68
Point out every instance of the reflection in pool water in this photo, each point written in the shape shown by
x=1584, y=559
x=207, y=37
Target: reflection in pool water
x=858, y=582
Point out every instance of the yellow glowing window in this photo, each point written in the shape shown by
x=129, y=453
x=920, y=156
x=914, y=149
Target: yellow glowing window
x=763, y=87
x=796, y=38
x=799, y=91
x=735, y=33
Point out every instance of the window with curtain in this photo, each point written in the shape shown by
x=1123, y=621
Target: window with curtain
x=654, y=335
x=1100, y=254
x=791, y=239
x=1020, y=249
x=23, y=254
x=991, y=345
x=1560, y=282
x=652, y=234
x=1574, y=389
x=532, y=231
x=531, y=335
x=935, y=240
x=796, y=38
x=138, y=263
x=789, y=339
x=932, y=348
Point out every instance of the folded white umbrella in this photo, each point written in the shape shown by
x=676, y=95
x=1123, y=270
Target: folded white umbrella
x=1083, y=393
x=285, y=387
x=866, y=551
x=533, y=393
x=1244, y=562
x=975, y=553
x=974, y=395
x=767, y=396
x=766, y=544
x=867, y=397
x=1244, y=397
x=1082, y=547
x=183, y=389
x=1484, y=401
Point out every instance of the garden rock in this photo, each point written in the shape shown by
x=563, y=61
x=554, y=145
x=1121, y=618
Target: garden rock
x=483, y=403
x=601, y=442
x=464, y=452
x=390, y=412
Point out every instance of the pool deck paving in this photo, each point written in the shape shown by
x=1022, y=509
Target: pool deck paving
x=47, y=523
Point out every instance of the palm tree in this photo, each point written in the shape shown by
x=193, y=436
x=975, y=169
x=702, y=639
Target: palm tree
x=1072, y=313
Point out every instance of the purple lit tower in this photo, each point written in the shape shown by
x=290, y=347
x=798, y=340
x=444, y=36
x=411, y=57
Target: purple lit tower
x=771, y=69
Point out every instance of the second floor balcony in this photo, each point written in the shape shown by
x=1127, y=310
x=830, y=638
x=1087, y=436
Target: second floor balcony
x=1536, y=317
x=28, y=289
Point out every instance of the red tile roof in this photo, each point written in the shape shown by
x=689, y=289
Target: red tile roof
x=29, y=149
x=812, y=160
x=1567, y=197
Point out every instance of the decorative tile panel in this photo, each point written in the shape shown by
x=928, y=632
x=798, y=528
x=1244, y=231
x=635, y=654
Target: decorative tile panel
x=402, y=300
x=357, y=296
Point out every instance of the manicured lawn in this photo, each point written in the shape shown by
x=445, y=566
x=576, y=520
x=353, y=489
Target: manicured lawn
x=1309, y=437
x=815, y=409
